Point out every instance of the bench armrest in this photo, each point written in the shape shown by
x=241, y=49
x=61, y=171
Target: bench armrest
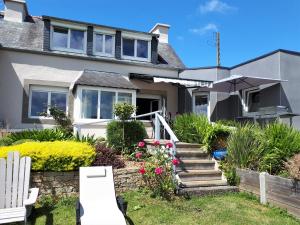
x=33, y=194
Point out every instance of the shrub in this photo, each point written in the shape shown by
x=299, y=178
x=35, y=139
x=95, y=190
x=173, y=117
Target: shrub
x=280, y=142
x=140, y=152
x=6, y=141
x=107, y=157
x=293, y=167
x=40, y=135
x=191, y=128
x=54, y=156
x=62, y=120
x=243, y=145
x=216, y=137
x=124, y=110
x=230, y=173
x=134, y=132
x=88, y=138
x=157, y=172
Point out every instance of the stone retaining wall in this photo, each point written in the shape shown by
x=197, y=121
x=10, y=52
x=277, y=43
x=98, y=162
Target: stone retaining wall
x=67, y=183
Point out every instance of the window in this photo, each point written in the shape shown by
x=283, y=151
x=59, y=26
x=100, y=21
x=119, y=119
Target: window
x=103, y=44
x=135, y=49
x=251, y=98
x=41, y=99
x=98, y=103
x=68, y=39
x=201, y=104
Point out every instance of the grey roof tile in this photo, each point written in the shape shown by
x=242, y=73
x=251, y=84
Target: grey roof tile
x=104, y=79
x=167, y=55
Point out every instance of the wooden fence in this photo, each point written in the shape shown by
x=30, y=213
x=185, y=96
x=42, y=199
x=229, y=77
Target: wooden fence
x=278, y=191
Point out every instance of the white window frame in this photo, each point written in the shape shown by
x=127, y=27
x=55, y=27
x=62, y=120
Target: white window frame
x=104, y=33
x=49, y=90
x=78, y=101
x=136, y=37
x=69, y=27
x=208, y=99
x=245, y=97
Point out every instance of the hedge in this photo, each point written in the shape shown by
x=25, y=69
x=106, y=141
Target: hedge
x=54, y=156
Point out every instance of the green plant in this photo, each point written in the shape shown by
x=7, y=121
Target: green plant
x=54, y=156
x=124, y=110
x=243, y=144
x=62, y=120
x=216, y=137
x=281, y=142
x=46, y=201
x=191, y=128
x=88, y=138
x=157, y=172
x=134, y=132
x=230, y=173
x=6, y=141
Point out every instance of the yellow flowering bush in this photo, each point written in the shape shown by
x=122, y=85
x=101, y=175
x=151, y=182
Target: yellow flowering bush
x=54, y=156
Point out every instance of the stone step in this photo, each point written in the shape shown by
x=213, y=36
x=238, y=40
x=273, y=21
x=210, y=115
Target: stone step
x=201, y=191
x=188, y=145
x=202, y=183
x=196, y=164
x=193, y=175
x=191, y=154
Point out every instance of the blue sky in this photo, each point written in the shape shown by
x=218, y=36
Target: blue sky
x=248, y=28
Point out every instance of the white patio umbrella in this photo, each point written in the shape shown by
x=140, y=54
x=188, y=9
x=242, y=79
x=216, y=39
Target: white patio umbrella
x=238, y=82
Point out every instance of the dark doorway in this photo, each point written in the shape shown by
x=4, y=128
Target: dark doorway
x=146, y=105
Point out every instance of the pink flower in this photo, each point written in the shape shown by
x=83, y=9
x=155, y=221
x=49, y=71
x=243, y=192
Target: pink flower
x=156, y=143
x=158, y=170
x=169, y=145
x=142, y=171
x=138, y=155
x=175, y=162
x=141, y=144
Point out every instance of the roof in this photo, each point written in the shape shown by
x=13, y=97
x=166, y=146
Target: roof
x=104, y=79
x=29, y=37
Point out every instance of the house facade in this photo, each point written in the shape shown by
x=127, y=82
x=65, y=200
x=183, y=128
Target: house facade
x=85, y=68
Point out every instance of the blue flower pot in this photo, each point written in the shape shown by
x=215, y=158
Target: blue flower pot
x=220, y=154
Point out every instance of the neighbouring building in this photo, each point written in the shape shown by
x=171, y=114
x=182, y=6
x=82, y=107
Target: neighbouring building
x=85, y=68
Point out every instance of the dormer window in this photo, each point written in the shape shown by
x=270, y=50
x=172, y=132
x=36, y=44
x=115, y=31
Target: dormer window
x=71, y=39
x=136, y=48
x=104, y=43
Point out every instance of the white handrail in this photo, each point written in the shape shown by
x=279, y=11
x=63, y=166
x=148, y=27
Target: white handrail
x=146, y=114
x=168, y=128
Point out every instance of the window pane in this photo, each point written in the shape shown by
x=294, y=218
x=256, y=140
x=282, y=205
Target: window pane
x=108, y=44
x=125, y=97
x=142, y=49
x=89, y=104
x=59, y=100
x=39, y=103
x=99, y=43
x=128, y=47
x=77, y=39
x=60, y=37
x=201, y=104
x=107, y=102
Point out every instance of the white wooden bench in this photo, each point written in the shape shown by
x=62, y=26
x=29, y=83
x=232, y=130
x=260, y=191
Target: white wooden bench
x=16, y=198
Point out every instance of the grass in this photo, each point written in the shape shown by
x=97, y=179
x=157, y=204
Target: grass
x=227, y=209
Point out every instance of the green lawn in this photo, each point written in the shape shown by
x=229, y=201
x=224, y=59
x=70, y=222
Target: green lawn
x=228, y=209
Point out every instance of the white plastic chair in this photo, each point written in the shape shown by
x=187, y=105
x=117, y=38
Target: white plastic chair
x=16, y=198
x=97, y=201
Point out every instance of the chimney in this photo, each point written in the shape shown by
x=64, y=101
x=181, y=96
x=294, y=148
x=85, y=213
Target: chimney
x=162, y=30
x=15, y=10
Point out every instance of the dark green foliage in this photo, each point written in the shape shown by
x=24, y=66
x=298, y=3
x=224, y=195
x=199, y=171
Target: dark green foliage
x=62, y=120
x=230, y=173
x=89, y=138
x=216, y=137
x=281, y=142
x=6, y=141
x=191, y=128
x=134, y=132
x=243, y=145
x=40, y=135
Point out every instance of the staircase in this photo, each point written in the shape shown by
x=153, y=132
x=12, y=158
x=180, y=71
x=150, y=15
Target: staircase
x=198, y=173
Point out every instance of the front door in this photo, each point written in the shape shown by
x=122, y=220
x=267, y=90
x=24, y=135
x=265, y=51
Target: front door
x=146, y=104
x=201, y=104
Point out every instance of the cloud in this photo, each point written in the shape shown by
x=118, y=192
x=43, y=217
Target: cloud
x=211, y=27
x=215, y=6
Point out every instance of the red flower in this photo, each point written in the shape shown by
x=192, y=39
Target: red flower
x=169, y=145
x=141, y=144
x=142, y=171
x=138, y=155
x=156, y=143
x=158, y=170
x=175, y=162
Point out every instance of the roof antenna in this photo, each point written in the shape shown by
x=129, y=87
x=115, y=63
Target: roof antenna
x=218, y=48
